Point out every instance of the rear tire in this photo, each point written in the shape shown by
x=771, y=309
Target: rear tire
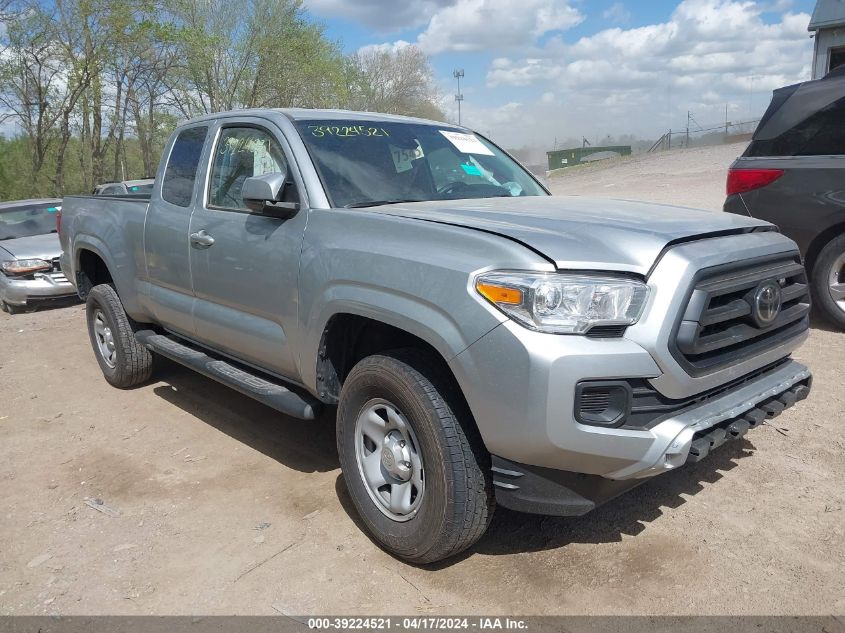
x=124, y=362
x=451, y=501
x=829, y=280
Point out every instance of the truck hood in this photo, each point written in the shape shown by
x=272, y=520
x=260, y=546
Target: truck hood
x=36, y=246
x=581, y=233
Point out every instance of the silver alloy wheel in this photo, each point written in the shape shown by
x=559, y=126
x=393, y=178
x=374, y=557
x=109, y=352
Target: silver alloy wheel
x=389, y=460
x=105, y=338
x=836, y=281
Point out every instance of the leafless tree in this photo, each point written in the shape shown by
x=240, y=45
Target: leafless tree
x=398, y=80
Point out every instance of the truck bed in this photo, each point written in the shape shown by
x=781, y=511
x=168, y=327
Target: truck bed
x=111, y=226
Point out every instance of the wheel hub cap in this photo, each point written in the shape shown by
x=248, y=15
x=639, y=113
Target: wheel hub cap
x=389, y=461
x=104, y=338
x=396, y=457
x=836, y=281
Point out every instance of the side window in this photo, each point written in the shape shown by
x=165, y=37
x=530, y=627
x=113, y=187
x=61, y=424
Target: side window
x=241, y=153
x=822, y=133
x=837, y=58
x=181, y=171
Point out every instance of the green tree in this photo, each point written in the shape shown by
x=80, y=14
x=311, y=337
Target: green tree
x=93, y=88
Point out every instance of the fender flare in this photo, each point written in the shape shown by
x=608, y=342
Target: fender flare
x=123, y=285
x=430, y=323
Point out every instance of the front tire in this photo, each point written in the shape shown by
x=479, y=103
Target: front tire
x=829, y=280
x=411, y=457
x=124, y=362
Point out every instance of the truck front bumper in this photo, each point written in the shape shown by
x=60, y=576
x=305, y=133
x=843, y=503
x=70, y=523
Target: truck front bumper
x=546, y=462
x=561, y=493
x=521, y=386
x=50, y=285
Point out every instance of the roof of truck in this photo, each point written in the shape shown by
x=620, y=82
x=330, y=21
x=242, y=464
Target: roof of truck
x=300, y=114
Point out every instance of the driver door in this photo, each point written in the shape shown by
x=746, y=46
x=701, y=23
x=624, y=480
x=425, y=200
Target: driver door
x=244, y=265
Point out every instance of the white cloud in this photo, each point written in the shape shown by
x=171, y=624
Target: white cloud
x=387, y=47
x=474, y=25
x=617, y=14
x=708, y=54
x=491, y=121
x=702, y=37
x=504, y=71
x=383, y=15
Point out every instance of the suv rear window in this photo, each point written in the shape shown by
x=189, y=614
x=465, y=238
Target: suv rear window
x=821, y=134
x=181, y=172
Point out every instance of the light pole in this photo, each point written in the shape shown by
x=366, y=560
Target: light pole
x=457, y=74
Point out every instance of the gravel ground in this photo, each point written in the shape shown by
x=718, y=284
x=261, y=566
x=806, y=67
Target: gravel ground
x=686, y=177
x=212, y=503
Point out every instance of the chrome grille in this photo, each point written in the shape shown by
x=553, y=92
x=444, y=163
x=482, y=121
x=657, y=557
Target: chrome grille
x=720, y=327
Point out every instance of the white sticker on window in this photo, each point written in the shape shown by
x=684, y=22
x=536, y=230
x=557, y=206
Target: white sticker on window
x=403, y=157
x=467, y=143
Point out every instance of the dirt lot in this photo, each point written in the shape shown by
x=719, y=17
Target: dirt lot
x=216, y=504
x=687, y=177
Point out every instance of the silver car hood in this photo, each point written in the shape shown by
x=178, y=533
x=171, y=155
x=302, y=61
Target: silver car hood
x=580, y=233
x=36, y=246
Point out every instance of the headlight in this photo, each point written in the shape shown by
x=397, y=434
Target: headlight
x=564, y=303
x=25, y=266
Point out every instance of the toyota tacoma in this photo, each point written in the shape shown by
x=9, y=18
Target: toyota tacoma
x=483, y=342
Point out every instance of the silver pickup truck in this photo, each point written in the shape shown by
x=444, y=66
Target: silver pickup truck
x=484, y=343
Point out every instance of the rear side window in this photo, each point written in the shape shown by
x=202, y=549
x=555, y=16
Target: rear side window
x=821, y=134
x=181, y=172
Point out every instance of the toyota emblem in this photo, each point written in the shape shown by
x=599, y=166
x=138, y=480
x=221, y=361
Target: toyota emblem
x=767, y=301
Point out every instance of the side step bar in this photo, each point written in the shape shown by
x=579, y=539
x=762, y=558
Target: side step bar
x=272, y=394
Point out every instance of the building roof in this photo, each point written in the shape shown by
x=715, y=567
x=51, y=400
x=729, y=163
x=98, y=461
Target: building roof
x=827, y=14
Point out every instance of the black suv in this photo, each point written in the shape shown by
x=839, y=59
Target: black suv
x=793, y=175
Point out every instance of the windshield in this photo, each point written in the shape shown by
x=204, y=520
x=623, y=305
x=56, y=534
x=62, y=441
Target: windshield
x=26, y=221
x=366, y=163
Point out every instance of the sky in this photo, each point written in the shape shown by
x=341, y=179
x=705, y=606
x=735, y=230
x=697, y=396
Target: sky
x=540, y=70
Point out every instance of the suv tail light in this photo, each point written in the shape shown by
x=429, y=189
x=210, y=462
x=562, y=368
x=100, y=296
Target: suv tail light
x=59, y=221
x=742, y=180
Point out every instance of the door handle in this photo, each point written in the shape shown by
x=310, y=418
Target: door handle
x=201, y=239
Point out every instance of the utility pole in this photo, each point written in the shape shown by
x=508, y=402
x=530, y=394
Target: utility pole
x=688, y=118
x=457, y=74
x=727, y=123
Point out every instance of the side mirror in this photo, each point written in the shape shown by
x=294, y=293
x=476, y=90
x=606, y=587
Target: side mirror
x=263, y=194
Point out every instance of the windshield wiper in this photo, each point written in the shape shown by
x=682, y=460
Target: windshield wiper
x=377, y=203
